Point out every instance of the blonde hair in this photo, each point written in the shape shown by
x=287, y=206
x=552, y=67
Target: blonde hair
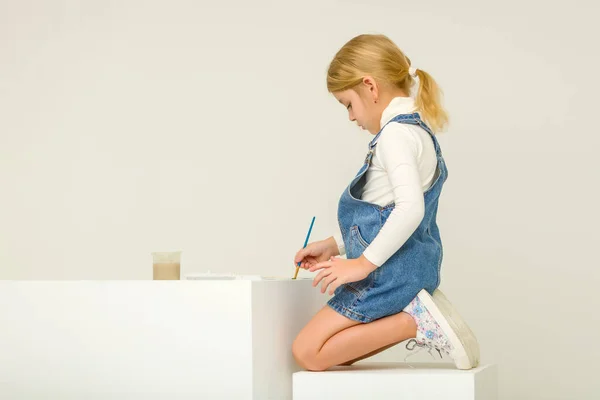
x=379, y=57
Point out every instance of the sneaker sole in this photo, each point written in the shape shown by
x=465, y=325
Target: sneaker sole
x=464, y=342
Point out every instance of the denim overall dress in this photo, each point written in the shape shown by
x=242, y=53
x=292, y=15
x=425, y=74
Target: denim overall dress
x=415, y=266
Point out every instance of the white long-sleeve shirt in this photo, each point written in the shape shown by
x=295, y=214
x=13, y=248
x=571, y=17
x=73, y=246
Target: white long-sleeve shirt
x=403, y=167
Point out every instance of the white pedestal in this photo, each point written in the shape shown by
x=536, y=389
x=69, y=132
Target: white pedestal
x=218, y=339
x=383, y=381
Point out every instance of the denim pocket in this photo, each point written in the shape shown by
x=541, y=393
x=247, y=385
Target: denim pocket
x=358, y=237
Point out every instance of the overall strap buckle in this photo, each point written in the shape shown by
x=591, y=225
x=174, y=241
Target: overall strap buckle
x=369, y=157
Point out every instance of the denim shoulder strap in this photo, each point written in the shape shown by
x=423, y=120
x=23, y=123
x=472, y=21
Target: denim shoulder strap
x=412, y=119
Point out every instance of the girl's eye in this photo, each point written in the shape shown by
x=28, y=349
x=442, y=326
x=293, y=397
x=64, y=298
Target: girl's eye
x=349, y=105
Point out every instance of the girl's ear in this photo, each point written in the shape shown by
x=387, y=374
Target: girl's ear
x=370, y=88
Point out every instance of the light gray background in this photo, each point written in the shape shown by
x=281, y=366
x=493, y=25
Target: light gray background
x=135, y=126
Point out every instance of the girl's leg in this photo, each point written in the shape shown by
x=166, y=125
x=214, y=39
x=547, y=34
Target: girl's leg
x=371, y=354
x=331, y=339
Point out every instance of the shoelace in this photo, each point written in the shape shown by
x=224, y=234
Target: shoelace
x=428, y=344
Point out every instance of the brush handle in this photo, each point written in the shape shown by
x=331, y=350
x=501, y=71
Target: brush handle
x=305, y=244
x=308, y=235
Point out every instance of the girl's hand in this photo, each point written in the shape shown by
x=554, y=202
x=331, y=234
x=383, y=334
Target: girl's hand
x=338, y=271
x=316, y=252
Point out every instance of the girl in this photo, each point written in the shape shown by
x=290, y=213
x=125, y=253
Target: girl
x=385, y=290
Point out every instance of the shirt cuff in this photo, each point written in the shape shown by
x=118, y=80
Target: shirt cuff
x=339, y=240
x=368, y=254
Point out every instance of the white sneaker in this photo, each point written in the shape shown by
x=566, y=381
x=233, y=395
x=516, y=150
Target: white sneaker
x=441, y=328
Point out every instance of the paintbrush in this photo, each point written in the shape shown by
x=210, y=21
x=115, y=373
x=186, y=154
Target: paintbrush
x=305, y=243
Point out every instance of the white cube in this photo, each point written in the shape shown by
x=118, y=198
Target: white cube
x=382, y=381
x=196, y=339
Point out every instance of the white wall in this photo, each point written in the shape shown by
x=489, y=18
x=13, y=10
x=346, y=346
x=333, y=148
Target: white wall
x=136, y=126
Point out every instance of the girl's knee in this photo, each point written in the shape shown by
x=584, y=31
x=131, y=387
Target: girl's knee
x=306, y=356
x=301, y=352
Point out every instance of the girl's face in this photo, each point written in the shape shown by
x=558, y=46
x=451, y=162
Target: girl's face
x=363, y=108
